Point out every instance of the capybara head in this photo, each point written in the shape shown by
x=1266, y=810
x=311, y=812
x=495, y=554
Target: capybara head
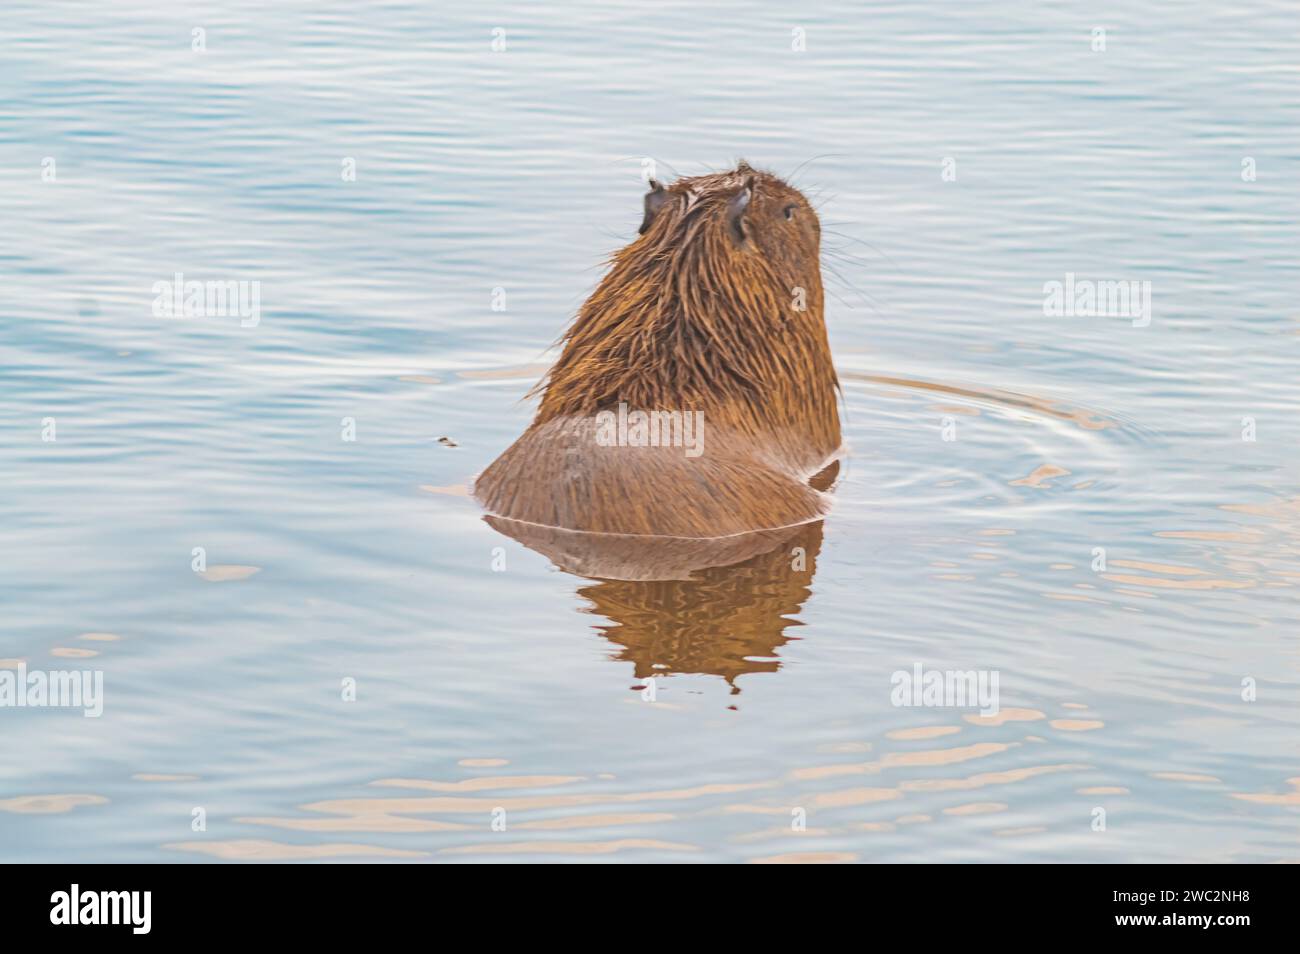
x=716, y=305
x=735, y=219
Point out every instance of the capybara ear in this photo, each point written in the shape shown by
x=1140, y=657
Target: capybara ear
x=738, y=224
x=655, y=200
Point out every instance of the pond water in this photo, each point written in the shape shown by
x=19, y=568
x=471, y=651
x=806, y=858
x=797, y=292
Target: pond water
x=1102, y=509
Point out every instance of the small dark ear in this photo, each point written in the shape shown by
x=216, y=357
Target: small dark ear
x=655, y=200
x=737, y=224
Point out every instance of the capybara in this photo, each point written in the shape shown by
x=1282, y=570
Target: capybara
x=709, y=321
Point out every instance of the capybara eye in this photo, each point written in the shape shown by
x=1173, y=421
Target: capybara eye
x=789, y=211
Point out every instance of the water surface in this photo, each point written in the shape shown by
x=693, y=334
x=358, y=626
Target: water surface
x=520, y=688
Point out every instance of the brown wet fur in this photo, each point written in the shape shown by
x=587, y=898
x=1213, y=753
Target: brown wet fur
x=696, y=314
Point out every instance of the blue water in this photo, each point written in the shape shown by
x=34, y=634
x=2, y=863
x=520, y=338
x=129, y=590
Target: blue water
x=521, y=169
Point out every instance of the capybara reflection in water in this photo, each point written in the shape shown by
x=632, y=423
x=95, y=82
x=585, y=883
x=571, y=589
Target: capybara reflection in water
x=728, y=621
x=712, y=316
